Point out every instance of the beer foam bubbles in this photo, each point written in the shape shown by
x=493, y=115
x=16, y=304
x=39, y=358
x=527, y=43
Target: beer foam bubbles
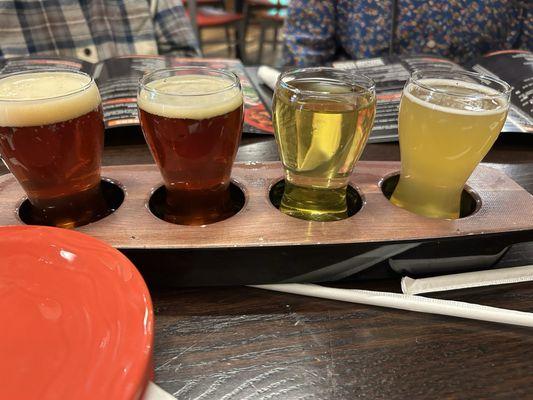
x=45, y=97
x=456, y=97
x=190, y=97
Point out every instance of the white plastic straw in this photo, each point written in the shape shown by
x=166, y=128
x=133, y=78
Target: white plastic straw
x=466, y=280
x=154, y=392
x=268, y=76
x=408, y=302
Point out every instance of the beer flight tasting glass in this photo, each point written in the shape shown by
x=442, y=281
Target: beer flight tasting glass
x=322, y=118
x=448, y=122
x=51, y=139
x=192, y=120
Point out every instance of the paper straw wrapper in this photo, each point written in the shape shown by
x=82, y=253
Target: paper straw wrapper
x=408, y=302
x=268, y=75
x=467, y=280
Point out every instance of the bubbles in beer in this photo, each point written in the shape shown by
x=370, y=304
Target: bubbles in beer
x=190, y=96
x=41, y=98
x=457, y=95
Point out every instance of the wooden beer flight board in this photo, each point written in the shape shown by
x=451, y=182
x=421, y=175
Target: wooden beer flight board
x=278, y=247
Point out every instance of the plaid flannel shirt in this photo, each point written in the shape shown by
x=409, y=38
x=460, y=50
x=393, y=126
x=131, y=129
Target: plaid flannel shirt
x=95, y=30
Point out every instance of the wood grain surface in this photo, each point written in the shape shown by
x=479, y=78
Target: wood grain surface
x=505, y=207
x=243, y=343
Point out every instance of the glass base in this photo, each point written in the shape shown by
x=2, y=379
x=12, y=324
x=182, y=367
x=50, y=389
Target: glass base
x=426, y=200
x=314, y=204
x=198, y=207
x=72, y=210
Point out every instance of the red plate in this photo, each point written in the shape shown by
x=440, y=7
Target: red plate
x=77, y=320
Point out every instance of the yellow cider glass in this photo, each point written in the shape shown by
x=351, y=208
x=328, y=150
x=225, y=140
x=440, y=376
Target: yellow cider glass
x=448, y=121
x=322, y=119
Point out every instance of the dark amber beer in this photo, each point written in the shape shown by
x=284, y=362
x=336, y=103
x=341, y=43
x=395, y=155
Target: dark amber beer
x=51, y=139
x=192, y=121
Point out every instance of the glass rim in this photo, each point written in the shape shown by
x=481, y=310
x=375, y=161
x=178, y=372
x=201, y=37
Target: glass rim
x=347, y=73
x=235, y=82
x=53, y=97
x=415, y=78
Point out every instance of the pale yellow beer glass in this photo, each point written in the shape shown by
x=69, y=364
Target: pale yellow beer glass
x=322, y=119
x=448, y=122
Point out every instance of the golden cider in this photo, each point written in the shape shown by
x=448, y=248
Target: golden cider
x=321, y=132
x=444, y=133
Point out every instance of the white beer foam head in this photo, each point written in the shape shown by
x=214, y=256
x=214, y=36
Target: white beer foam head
x=41, y=98
x=458, y=96
x=189, y=97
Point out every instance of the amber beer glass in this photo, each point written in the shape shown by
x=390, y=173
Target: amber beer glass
x=51, y=139
x=192, y=120
x=448, y=122
x=322, y=119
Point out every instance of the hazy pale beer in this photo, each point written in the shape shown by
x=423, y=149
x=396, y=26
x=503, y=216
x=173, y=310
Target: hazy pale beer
x=192, y=120
x=51, y=139
x=322, y=119
x=448, y=121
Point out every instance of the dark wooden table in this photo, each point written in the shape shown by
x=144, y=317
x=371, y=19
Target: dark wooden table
x=244, y=343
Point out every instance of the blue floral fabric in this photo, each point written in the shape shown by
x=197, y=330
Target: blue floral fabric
x=461, y=30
